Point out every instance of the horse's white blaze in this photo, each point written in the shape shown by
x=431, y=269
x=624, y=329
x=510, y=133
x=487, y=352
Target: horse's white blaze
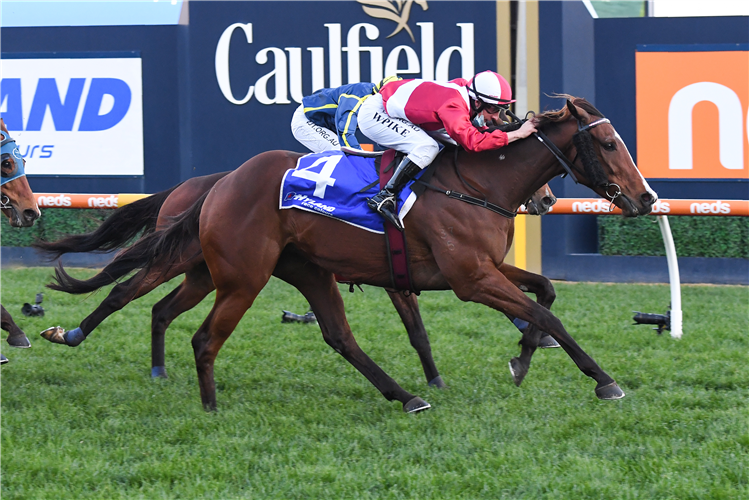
x=647, y=186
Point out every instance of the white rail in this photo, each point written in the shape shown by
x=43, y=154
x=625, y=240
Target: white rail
x=673, y=277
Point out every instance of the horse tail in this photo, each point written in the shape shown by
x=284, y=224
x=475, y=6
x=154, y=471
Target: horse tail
x=160, y=249
x=115, y=232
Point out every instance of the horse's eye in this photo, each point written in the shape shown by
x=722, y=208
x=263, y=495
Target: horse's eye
x=609, y=146
x=7, y=164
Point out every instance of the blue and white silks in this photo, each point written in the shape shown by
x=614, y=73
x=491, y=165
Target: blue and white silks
x=329, y=183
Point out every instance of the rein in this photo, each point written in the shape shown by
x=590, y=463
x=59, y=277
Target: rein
x=471, y=200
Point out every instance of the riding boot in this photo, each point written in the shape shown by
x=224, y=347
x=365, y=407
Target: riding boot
x=384, y=201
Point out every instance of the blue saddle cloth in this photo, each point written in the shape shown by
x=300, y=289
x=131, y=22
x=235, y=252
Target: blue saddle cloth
x=331, y=184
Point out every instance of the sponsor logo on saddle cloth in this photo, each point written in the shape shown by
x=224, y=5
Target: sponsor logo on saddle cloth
x=332, y=183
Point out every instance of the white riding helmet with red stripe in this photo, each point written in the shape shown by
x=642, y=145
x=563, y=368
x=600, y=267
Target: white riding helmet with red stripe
x=491, y=88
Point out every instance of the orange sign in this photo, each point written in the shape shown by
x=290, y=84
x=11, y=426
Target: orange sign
x=570, y=206
x=65, y=200
x=562, y=206
x=692, y=114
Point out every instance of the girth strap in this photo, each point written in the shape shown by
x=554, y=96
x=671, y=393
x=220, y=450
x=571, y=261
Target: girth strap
x=400, y=269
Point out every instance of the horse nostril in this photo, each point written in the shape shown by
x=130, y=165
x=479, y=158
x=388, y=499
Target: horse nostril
x=548, y=201
x=31, y=215
x=647, y=199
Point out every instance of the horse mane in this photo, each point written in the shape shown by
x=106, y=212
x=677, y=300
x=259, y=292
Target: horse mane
x=560, y=115
x=553, y=116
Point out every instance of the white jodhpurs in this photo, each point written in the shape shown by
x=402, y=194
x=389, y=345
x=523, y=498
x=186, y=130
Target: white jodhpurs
x=316, y=138
x=396, y=133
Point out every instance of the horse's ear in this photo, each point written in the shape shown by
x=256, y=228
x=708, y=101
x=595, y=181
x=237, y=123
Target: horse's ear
x=573, y=109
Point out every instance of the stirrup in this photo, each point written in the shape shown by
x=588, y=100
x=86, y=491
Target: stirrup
x=388, y=199
x=377, y=201
x=391, y=216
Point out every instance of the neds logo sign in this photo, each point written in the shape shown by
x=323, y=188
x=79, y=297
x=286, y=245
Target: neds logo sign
x=693, y=113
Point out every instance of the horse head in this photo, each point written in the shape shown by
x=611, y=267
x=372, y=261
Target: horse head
x=541, y=201
x=18, y=202
x=608, y=168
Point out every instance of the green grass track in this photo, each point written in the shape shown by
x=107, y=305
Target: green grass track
x=295, y=420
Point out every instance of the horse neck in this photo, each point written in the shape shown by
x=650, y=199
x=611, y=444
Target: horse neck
x=509, y=176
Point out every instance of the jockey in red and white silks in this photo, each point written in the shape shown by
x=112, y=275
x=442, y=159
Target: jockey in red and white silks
x=408, y=115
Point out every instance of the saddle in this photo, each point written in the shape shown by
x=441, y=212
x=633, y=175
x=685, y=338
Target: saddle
x=330, y=184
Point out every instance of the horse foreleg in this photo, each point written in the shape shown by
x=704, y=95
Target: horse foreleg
x=408, y=310
x=527, y=281
x=16, y=337
x=542, y=288
x=196, y=285
x=495, y=290
x=320, y=289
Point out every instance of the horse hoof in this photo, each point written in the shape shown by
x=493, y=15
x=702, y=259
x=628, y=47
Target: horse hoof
x=74, y=337
x=518, y=371
x=21, y=341
x=438, y=383
x=54, y=335
x=416, y=405
x=158, y=372
x=58, y=335
x=610, y=391
x=548, y=342
x=3, y=359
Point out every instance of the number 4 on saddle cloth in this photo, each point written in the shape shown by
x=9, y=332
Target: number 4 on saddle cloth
x=337, y=185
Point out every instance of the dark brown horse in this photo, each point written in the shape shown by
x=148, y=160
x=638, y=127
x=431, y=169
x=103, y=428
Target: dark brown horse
x=154, y=212
x=245, y=239
x=19, y=206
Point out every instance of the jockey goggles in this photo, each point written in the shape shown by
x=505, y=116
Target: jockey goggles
x=494, y=108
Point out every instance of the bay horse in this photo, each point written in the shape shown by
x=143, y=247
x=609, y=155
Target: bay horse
x=19, y=206
x=154, y=212
x=245, y=238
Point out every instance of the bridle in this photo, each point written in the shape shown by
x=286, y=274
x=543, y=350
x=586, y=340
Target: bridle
x=583, y=135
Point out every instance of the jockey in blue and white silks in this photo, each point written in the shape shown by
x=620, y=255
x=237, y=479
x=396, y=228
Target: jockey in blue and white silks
x=327, y=119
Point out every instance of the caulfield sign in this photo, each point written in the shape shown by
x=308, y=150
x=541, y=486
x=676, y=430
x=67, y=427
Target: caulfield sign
x=693, y=111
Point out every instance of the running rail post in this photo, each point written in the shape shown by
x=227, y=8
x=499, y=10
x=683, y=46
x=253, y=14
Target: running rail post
x=673, y=276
